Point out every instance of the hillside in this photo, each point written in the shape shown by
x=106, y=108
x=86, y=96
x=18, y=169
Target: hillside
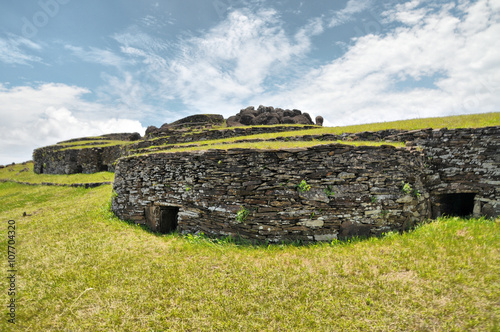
x=81, y=268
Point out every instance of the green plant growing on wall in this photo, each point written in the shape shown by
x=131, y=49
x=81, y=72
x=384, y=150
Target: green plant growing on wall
x=409, y=190
x=242, y=215
x=303, y=186
x=406, y=188
x=373, y=199
x=329, y=191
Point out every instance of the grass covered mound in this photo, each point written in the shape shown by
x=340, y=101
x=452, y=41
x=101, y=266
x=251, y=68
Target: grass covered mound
x=82, y=269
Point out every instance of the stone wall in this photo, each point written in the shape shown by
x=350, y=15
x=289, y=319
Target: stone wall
x=173, y=136
x=353, y=190
x=60, y=159
x=54, y=160
x=463, y=161
x=86, y=155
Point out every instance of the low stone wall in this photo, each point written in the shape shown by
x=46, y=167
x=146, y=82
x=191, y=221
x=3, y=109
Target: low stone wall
x=59, y=159
x=90, y=157
x=353, y=191
x=178, y=136
x=54, y=160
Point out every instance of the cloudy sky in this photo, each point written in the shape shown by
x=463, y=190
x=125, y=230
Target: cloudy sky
x=72, y=68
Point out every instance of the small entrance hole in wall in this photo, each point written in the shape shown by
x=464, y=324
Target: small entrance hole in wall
x=456, y=205
x=168, y=219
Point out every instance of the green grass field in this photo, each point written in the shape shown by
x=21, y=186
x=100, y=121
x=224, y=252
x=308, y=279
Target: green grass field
x=450, y=122
x=82, y=269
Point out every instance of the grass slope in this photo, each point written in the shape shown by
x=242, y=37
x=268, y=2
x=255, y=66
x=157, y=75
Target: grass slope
x=450, y=122
x=24, y=173
x=82, y=269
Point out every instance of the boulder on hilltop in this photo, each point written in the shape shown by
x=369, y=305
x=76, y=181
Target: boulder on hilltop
x=268, y=115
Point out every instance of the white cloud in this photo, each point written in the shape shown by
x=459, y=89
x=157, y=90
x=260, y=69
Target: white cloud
x=157, y=22
x=96, y=55
x=346, y=14
x=130, y=95
x=13, y=51
x=61, y=123
x=214, y=70
x=35, y=117
x=407, y=13
x=134, y=37
x=232, y=61
x=461, y=52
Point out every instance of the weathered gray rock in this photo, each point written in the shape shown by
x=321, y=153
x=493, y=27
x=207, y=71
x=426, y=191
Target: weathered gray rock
x=267, y=115
x=60, y=159
x=319, y=120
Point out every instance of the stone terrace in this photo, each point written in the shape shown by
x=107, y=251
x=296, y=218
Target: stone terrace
x=346, y=191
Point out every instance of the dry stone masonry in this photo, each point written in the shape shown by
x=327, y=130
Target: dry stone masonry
x=66, y=159
x=91, y=158
x=320, y=193
x=316, y=194
x=60, y=159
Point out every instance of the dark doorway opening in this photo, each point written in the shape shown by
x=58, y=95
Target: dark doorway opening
x=456, y=205
x=168, y=219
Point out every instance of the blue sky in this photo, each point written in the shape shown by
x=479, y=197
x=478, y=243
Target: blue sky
x=73, y=68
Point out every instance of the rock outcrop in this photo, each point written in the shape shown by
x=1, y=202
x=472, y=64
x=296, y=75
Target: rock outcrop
x=319, y=121
x=193, y=122
x=267, y=115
